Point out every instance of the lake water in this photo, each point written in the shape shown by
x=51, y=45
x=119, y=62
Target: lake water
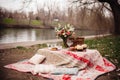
x=11, y=35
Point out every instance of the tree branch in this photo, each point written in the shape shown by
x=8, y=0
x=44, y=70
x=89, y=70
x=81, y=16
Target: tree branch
x=107, y=8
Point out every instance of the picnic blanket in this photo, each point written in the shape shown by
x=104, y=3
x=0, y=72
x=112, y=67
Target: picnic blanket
x=68, y=65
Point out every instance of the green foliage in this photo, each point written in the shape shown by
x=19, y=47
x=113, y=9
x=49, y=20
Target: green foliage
x=9, y=21
x=109, y=47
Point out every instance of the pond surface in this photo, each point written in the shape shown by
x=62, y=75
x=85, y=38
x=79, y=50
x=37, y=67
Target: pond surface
x=11, y=35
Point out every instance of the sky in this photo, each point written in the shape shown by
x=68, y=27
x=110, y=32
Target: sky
x=18, y=4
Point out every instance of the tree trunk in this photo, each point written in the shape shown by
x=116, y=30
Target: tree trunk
x=115, y=6
x=116, y=14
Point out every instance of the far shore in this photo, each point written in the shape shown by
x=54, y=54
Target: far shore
x=32, y=26
x=24, y=26
x=30, y=43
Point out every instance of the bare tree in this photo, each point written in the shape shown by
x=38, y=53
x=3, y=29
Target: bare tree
x=114, y=7
x=90, y=17
x=30, y=17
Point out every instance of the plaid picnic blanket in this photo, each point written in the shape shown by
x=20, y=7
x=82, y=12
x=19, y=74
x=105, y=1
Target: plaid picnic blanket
x=90, y=64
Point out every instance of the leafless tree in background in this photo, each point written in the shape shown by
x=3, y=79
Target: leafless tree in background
x=83, y=14
x=114, y=8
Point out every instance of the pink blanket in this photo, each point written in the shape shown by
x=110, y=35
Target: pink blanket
x=95, y=66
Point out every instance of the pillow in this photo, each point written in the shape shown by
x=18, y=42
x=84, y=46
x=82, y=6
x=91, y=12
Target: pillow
x=58, y=71
x=36, y=59
x=43, y=68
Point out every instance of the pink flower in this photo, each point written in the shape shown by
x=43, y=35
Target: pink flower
x=68, y=33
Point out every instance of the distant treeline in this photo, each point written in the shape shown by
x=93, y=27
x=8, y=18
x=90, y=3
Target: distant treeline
x=81, y=17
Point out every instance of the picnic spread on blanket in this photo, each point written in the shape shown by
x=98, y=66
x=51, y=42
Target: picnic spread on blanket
x=65, y=64
x=74, y=62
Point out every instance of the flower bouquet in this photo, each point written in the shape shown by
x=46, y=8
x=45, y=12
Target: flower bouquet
x=64, y=32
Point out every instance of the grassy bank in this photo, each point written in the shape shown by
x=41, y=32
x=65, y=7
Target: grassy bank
x=27, y=23
x=109, y=47
x=21, y=21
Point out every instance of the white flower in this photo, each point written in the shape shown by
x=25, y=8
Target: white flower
x=71, y=29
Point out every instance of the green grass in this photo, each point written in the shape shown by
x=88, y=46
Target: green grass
x=21, y=47
x=9, y=21
x=26, y=22
x=22, y=22
x=41, y=45
x=109, y=47
x=36, y=22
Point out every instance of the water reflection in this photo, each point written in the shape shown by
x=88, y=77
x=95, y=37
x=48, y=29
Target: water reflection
x=10, y=35
x=20, y=35
x=45, y=34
